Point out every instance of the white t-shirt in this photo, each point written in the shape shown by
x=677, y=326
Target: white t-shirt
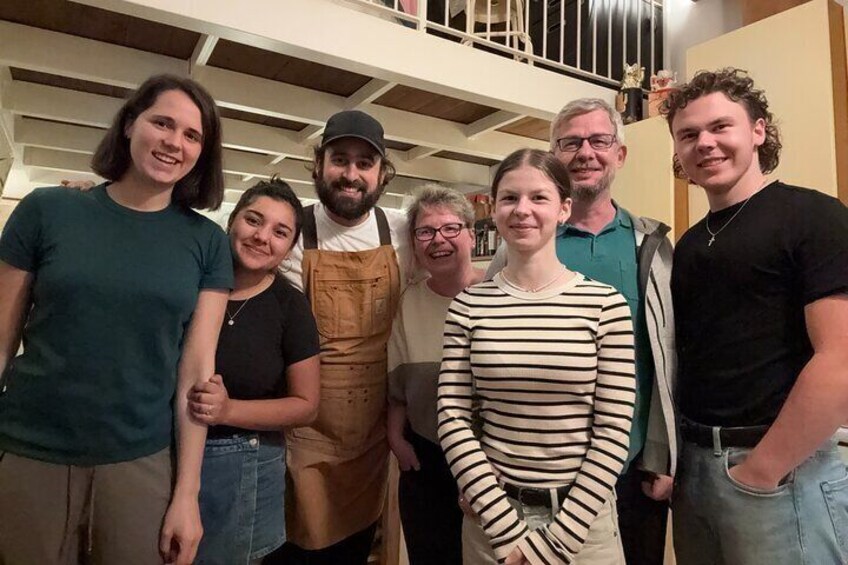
x=333, y=236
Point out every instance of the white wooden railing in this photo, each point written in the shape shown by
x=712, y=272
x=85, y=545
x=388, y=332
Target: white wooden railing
x=591, y=39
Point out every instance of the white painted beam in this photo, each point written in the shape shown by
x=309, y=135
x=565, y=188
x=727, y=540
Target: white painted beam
x=310, y=133
x=491, y=123
x=45, y=177
x=254, y=164
x=49, y=51
x=52, y=135
x=368, y=93
x=57, y=160
x=267, y=97
x=372, y=90
x=419, y=152
x=53, y=103
x=259, y=138
x=203, y=50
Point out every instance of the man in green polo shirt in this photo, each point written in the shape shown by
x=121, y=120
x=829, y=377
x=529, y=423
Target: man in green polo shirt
x=633, y=254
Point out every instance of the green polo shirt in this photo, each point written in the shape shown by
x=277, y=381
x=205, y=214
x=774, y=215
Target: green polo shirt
x=610, y=257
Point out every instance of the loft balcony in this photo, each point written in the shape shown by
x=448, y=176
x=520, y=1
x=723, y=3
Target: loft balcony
x=588, y=39
x=453, y=103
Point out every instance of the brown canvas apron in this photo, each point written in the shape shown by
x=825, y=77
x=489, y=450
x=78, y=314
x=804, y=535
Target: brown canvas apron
x=337, y=467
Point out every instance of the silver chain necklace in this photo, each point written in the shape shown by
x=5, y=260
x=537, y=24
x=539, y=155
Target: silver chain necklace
x=232, y=319
x=712, y=233
x=532, y=290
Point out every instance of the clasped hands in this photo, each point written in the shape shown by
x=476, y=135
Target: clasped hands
x=208, y=402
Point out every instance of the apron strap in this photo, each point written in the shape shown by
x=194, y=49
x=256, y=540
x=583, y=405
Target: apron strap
x=309, y=233
x=382, y=226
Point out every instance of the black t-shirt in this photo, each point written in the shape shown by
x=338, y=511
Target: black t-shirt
x=739, y=304
x=273, y=330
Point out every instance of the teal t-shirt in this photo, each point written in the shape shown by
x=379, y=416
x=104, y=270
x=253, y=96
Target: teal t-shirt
x=610, y=257
x=112, y=295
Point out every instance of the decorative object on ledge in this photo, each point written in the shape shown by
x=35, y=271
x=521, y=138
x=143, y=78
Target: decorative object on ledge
x=629, y=99
x=482, y=204
x=661, y=84
x=486, y=236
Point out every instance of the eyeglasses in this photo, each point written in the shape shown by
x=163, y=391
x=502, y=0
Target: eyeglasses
x=600, y=141
x=448, y=231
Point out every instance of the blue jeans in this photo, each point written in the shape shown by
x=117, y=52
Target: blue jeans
x=718, y=521
x=241, y=498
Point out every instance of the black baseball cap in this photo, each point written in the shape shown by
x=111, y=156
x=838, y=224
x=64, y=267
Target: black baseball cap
x=353, y=123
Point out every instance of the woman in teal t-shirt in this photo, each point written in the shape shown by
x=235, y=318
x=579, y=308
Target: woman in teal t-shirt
x=118, y=294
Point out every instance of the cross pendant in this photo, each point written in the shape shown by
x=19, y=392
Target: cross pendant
x=712, y=239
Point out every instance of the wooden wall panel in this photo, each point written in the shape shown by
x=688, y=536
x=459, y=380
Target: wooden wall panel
x=756, y=10
x=839, y=56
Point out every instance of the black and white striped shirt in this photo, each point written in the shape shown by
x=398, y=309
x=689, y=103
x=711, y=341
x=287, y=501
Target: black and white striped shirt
x=554, y=374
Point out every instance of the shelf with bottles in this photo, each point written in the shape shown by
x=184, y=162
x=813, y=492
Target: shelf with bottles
x=487, y=239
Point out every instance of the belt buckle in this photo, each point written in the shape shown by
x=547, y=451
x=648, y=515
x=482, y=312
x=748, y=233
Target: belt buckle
x=526, y=495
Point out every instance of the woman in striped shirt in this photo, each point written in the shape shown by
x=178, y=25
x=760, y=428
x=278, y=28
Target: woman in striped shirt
x=547, y=354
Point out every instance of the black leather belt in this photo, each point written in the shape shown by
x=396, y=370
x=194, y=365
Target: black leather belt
x=535, y=496
x=705, y=436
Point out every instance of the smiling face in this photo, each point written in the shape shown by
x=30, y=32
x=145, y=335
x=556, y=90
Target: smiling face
x=528, y=208
x=165, y=140
x=262, y=234
x=443, y=256
x=349, y=179
x=591, y=170
x=716, y=143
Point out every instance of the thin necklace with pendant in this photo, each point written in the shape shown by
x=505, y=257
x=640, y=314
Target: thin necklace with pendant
x=712, y=233
x=232, y=319
x=532, y=290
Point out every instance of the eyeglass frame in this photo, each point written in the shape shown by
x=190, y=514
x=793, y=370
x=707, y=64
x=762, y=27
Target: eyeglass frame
x=603, y=147
x=439, y=229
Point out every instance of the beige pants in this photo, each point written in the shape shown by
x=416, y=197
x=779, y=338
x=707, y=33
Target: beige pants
x=602, y=547
x=53, y=514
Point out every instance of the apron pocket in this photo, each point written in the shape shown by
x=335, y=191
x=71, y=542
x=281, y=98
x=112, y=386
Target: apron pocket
x=352, y=308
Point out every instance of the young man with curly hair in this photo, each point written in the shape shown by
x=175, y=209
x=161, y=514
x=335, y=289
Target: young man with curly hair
x=759, y=289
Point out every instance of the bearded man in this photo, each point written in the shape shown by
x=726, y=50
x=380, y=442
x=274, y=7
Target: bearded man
x=348, y=263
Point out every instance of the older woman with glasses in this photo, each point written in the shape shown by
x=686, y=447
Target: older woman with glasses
x=440, y=221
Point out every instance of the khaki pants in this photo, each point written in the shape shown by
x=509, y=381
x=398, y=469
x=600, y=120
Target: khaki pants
x=53, y=514
x=602, y=547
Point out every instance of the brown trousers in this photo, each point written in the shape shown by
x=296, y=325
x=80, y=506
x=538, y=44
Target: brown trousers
x=52, y=514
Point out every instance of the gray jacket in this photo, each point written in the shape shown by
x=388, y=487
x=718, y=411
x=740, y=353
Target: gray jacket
x=654, y=259
x=654, y=253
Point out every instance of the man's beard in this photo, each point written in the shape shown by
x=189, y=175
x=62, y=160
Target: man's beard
x=588, y=193
x=331, y=196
